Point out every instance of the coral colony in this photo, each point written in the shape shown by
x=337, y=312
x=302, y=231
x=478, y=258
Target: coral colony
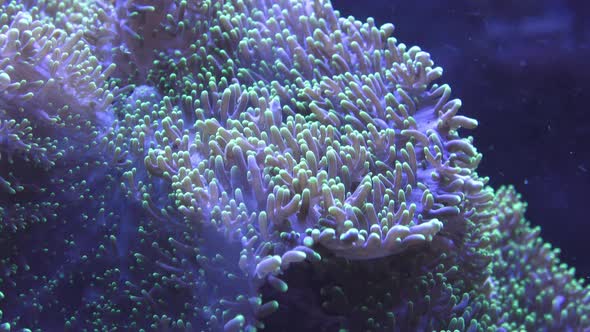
x=246, y=165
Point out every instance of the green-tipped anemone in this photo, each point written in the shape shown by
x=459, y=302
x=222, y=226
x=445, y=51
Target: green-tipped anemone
x=245, y=165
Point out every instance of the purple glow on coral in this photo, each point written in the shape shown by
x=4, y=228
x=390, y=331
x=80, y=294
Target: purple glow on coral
x=228, y=164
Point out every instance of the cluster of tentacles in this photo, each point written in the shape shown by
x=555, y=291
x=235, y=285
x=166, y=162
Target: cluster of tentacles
x=223, y=165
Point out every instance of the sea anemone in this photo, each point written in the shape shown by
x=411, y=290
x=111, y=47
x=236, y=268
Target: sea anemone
x=229, y=165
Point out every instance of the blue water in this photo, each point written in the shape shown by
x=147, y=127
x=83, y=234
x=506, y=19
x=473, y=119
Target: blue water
x=521, y=70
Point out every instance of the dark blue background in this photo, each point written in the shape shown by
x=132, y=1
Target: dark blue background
x=522, y=69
